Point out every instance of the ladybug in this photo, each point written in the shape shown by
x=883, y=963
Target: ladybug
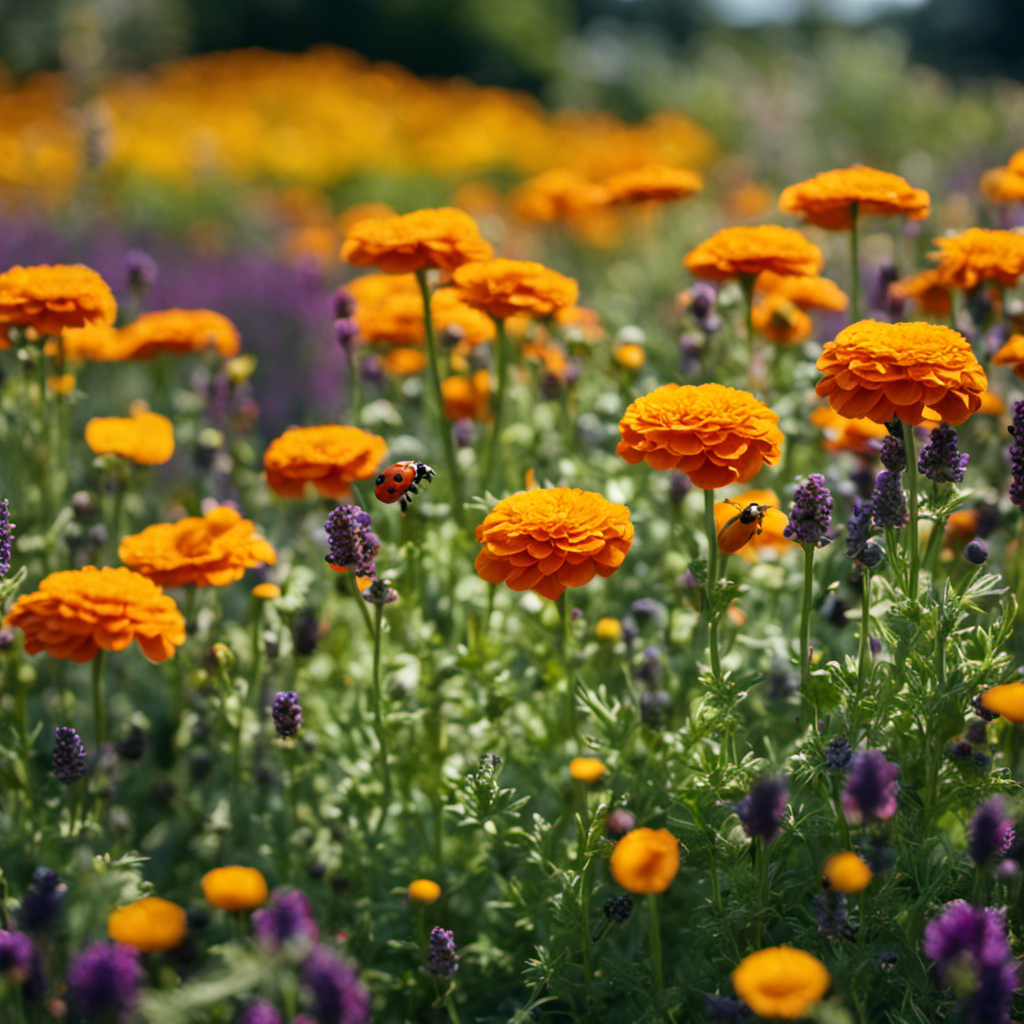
x=398, y=483
x=740, y=528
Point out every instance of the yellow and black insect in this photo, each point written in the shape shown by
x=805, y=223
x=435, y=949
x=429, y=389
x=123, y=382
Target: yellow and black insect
x=741, y=528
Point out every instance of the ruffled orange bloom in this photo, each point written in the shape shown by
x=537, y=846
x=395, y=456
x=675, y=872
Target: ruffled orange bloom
x=927, y=290
x=50, y=298
x=550, y=355
x=805, y=292
x=842, y=434
x=404, y=362
x=94, y=343
x=1006, y=700
x=467, y=397
x=714, y=434
x=657, y=183
x=780, y=320
x=846, y=872
x=880, y=370
x=444, y=238
x=234, y=888
x=645, y=860
x=748, y=251
x=582, y=324
x=781, y=982
x=979, y=254
x=145, y=437
x=502, y=288
x=557, y=194
x=1002, y=185
x=180, y=331
x=329, y=457
x=1016, y=162
x=209, y=551
x=630, y=355
x=827, y=198
x=74, y=614
x=992, y=404
x=552, y=538
x=149, y=925
x=61, y=384
x=770, y=540
x=1012, y=354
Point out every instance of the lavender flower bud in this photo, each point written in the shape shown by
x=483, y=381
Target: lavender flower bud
x=858, y=530
x=7, y=639
x=6, y=536
x=940, y=460
x=655, y=706
x=831, y=915
x=353, y=545
x=140, y=269
x=810, y=516
x=893, y=454
x=133, y=746
x=17, y=953
x=760, y=811
x=889, y=502
x=619, y=822
x=646, y=609
x=723, y=1010
x=338, y=997
x=287, y=713
x=990, y=832
x=976, y=552
x=345, y=332
x=343, y=303
x=380, y=592
x=442, y=960
x=286, y=919
x=305, y=630
x=260, y=1012
x=871, y=788
x=40, y=906
x=103, y=980
x=68, y=755
x=1016, y=429
x=838, y=754
x=678, y=486
x=618, y=909
x=649, y=670
x=371, y=369
x=464, y=433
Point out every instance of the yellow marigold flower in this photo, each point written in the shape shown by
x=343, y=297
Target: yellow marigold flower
x=1006, y=700
x=234, y=888
x=50, y=298
x=748, y=251
x=423, y=891
x=714, y=434
x=444, y=238
x=827, y=199
x=927, y=290
x=880, y=370
x=209, y=551
x=180, y=331
x=846, y=872
x=608, y=628
x=558, y=194
x=404, y=362
x=630, y=355
x=658, y=183
x=805, y=292
x=145, y=437
x=780, y=319
x=770, y=539
x=1016, y=162
x=1012, y=354
x=149, y=924
x=75, y=613
x=552, y=538
x=1002, y=185
x=266, y=591
x=842, y=434
x=979, y=254
x=502, y=288
x=94, y=343
x=329, y=457
x=780, y=982
x=645, y=860
x=467, y=397
x=587, y=769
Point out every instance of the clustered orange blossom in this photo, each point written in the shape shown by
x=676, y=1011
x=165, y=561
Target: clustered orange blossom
x=780, y=982
x=180, y=331
x=714, y=434
x=645, y=860
x=805, y=292
x=1005, y=184
x=328, y=457
x=552, y=538
x=842, y=434
x=780, y=319
x=502, y=288
x=927, y=290
x=652, y=183
x=467, y=397
x=144, y=437
x=1012, y=354
x=50, y=298
x=748, y=251
x=557, y=194
x=979, y=254
x=149, y=925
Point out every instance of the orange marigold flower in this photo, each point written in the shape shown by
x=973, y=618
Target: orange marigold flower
x=549, y=354
x=266, y=591
x=780, y=982
x=927, y=290
x=552, y=538
x=780, y=320
x=645, y=860
x=61, y=384
x=467, y=397
x=1012, y=354
x=75, y=613
x=180, y=331
x=557, y=194
x=149, y=925
x=50, y=298
x=404, y=362
x=234, y=888
x=740, y=251
x=805, y=292
x=630, y=355
x=827, y=198
x=979, y=254
x=1016, y=162
x=770, y=540
x=1002, y=185
x=329, y=457
x=587, y=769
x=209, y=551
x=423, y=891
x=583, y=324
x=1006, y=700
x=714, y=434
x=657, y=183
x=880, y=370
x=94, y=343
x=144, y=437
x=502, y=288
x=846, y=872
x=848, y=435
x=444, y=238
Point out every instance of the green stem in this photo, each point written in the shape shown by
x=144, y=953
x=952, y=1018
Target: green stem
x=449, y=1003
x=659, y=974
x=565, y=613
x=435, y=375
x=47, y=468
x=915, y=557
x=804, y=652
x=354, y=587
x=854, y=263
x=499, y=403
x=712, y=581
x=863, y=648
x=378, y=719
x=99, y=713
x=256, y=660
x=586, y=883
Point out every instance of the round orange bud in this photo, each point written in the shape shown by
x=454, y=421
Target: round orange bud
x=423, y=891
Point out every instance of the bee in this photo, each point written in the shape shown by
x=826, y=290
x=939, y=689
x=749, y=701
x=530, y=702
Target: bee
x=399, y=483
x=740, y=529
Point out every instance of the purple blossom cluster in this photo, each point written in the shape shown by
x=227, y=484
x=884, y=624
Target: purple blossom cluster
x=810, y=516
x=6, y=538
x=889, y=502
x=760, y=811
x=287, y=714
x=442, y=960
x=990, y=833
x=68, y=755
x=940, y=459
x=1016, y=429
x=353, y=545
x=871, y=788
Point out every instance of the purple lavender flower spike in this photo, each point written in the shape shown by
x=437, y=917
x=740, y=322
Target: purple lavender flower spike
x=103, y=980
x=940, y=459
x=337, y=996
x=889, y=502
x=40, y=906
x=858, y=530
x=442, y=960
x=68, y=755
x=893, y=454
x=6, y=537
x=17, y=955
x=287, y=714
x=811, y=514
x=260, y=1012
x=871, y=788
x=990, y=832
x=1016, y=429
x=286, y=919
x=760, y=811
x=353, y=545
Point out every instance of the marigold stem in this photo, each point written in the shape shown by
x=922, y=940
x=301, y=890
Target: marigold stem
x=656, y=959
x=805, y=630
x=863, y=647
x=378, y=719
x=854, y=263
x=712, y=580
x=565, y=612
x=914, y=569
x=493, y=458
x=99, y=714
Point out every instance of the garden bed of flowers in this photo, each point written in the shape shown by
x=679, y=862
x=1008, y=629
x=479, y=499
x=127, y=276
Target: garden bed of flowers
x=593, y=596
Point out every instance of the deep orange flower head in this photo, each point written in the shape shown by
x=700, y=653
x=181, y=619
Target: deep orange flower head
x=880, y=370
x=714, y=434
x=444, y=238
x=179, y=332
x=148, y=925
x=780, y=982
x=979, y=254
x=846, y=872
x=629, y=355
x=805, y=292
x=740, y=251
x=652, y=183
x=209, y=551
x=50, y=298
x=423, y=891
x=582, y=325
x=75, y=613
x=780, y=319
x=144, y=437
x=502, y=288
x=1006, y=700
x=842, y=434
x=587, y=769
x=1012, y=354
x=1002, y=185
x=770, y=540
x=558, y=194
x=552, y=538
x=645, y=860
x=927, y=290
x=234, y=888
x=93, y=343
x=467, y=397
x=827, y=198
x=404, y=362
x=329, y=457
x=1016, y=162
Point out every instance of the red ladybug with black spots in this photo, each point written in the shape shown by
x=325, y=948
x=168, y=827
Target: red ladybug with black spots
x=400, y=482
